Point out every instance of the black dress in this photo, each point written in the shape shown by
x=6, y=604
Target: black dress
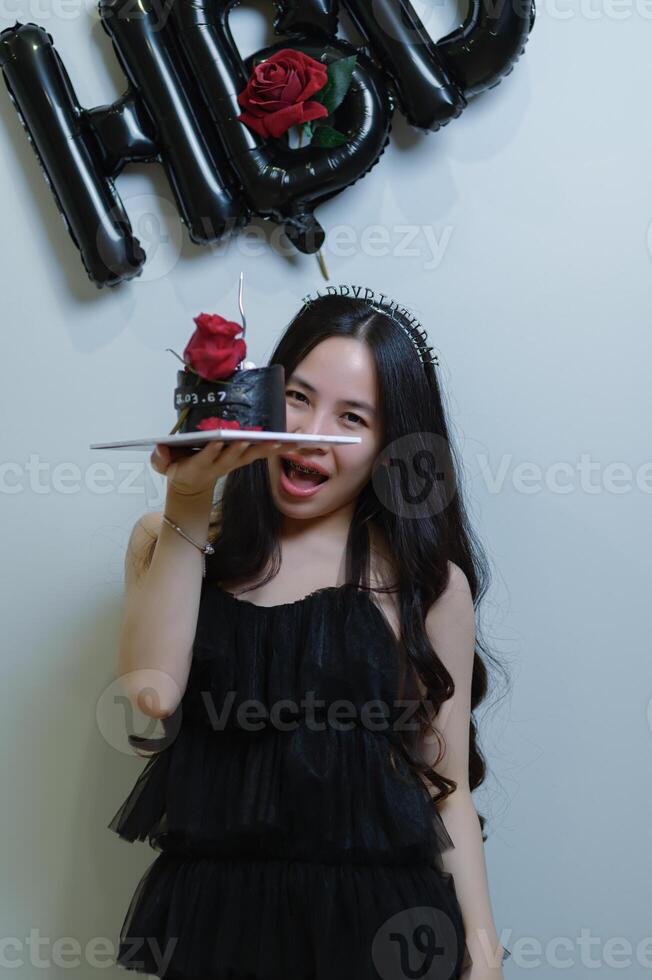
x=291, y=848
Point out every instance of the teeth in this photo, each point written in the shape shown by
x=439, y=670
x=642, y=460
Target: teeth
x=304, y=469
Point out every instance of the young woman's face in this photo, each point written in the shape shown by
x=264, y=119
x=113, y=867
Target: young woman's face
x=332, y=391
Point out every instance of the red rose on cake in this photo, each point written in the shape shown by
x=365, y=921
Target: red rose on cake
x=219, y=389
x=213, y=351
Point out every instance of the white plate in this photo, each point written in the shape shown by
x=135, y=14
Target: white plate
x=196, y=440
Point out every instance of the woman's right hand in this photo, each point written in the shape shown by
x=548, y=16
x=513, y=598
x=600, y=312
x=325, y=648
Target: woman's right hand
x=192, y=472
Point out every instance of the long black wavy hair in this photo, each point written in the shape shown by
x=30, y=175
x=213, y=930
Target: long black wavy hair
x=245, y=523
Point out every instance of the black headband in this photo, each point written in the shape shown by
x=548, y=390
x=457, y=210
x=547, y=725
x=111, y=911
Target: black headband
x=376, y=301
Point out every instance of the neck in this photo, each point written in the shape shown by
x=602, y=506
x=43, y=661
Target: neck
x=332, y=527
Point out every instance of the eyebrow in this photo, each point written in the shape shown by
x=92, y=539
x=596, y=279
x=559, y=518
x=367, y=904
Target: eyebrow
x=347, y=401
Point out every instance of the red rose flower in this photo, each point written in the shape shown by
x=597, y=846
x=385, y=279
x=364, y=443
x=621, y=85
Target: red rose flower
x=212, y=351
x=278, y=93
x=216, y=423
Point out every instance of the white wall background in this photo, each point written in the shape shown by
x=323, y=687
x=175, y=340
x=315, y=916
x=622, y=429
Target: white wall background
x=540, y=195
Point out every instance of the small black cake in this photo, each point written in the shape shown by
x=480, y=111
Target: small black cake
x=214, y=393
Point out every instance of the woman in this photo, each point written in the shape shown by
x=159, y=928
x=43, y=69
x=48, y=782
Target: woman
x=300, y=846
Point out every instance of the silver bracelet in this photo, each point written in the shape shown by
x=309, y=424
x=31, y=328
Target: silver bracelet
x=206, y=549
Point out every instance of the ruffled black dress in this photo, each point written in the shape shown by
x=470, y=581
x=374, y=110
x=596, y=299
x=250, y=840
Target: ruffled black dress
x=291, y=848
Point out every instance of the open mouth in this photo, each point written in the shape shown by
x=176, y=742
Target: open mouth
x=302, y=476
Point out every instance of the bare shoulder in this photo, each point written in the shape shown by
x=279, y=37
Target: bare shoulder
x=143, y=534
x=146, y=528
x=453, y=611
x=458, y=585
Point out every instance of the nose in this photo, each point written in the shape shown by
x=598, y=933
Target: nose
x=318, y=426
x=312, y=447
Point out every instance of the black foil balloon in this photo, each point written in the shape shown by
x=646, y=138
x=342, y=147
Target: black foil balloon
x=81, y=150
x=207, y=195
x=488, y=44
x=279, y=182
x=307, y=17
x=70, y=158
x=433, y=80
x=184, y=74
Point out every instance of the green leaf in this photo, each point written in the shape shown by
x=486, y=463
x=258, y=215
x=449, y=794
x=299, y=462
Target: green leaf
x=326, y=136
x=324, y=94
x=339, y=74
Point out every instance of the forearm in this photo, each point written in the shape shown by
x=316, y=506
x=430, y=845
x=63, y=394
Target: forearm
x=160, y=613
x=466, y=862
